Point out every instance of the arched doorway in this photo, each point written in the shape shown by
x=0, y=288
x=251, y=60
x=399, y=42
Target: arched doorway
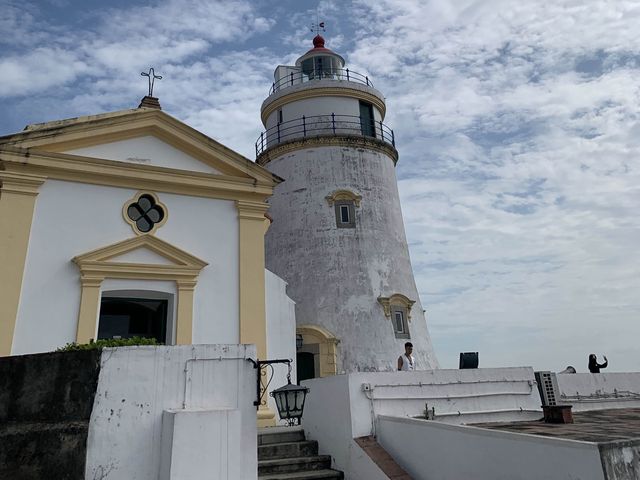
x=318, y=355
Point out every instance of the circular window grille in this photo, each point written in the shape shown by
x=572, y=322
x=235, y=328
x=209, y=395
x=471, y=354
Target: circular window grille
x=145, y=213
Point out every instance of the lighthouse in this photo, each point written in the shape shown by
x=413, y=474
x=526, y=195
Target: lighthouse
x=337, y=235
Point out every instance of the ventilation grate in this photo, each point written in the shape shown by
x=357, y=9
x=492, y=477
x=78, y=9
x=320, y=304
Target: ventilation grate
x=548, y=388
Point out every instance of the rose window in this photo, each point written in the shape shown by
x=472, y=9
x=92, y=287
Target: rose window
x=145, y=213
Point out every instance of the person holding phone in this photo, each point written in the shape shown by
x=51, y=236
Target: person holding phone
x=594, y=366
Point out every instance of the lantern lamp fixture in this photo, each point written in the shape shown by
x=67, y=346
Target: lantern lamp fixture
x=289, y=398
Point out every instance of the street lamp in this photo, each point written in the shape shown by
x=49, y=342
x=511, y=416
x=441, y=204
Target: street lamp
x=289, y=398
x=290, y=401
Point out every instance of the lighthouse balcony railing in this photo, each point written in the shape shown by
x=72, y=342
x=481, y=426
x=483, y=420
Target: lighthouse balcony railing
x=341, y=74
x=324, y=125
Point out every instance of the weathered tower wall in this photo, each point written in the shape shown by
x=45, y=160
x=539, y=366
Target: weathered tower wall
x=337, y=236
x=336, y=275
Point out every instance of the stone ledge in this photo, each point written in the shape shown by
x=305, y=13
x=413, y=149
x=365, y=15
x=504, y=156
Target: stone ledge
x=355, y=141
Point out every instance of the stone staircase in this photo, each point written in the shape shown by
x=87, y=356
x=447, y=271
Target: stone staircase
x=284, y=454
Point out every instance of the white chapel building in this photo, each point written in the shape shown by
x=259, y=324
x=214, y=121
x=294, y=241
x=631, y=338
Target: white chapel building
x=132, y=223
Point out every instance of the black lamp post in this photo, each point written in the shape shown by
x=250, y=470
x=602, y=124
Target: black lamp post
x=289, y=398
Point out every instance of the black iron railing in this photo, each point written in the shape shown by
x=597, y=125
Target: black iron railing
x=296, y=78
x=317, y=125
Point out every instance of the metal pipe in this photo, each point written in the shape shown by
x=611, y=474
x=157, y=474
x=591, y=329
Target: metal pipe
x=480, y=412
x=470, y=382
x=467, y=395
x=601, y=399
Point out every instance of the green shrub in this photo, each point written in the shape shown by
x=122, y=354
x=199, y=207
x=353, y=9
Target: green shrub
x=109, y=342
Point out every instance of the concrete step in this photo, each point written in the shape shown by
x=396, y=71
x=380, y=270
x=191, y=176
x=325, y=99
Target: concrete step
x=295, y=464
x=304, y=448
x=271, y=435
x=313, y=475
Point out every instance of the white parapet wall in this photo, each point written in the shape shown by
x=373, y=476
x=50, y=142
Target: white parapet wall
x=344, y=407
x=597, y=391
x=281, y=333
x=436, y=451
x=174, y=412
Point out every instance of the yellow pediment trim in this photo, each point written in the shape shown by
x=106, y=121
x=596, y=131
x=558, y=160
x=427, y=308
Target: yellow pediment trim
x=343, y=195
x=63, y=135
x=396, y=299
x=95, y=266
x=75, y=168
x=97, y=262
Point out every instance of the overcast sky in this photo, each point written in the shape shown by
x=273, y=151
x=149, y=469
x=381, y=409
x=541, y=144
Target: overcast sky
x=517, y=125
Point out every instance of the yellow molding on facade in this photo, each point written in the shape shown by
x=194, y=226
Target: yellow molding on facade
x=184, y=323
x=342, y=91
x=251, y=227
x=87, y=327
x=396, y=299
x=62, y=135
x=17, y=204
x=253, y=320
x=60, y=166
x=343, y=195
x=327, y=346
x=95, y=267
x=162, y=248
x=266, y=417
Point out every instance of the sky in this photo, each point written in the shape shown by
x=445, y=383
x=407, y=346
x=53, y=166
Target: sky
x=516, y=123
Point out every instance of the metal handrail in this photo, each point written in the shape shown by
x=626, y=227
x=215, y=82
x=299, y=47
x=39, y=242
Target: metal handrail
x=317, y=125
x=296, y=78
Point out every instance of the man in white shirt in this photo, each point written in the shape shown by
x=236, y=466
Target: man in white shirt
x=406, y=363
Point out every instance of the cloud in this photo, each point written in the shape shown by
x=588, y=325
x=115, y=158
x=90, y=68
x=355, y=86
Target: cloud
x=517, y=128
x=40, y=69
x=113, y=42
x=197, y=45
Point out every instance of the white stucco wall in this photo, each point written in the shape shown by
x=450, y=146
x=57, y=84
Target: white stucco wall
x=338, y=408
x=434, y=451
x=328, y=419
x=73, y=218
x=212, y=385
x=145, y=150
x=201, y=443
x=281, y=331
x=596, y=391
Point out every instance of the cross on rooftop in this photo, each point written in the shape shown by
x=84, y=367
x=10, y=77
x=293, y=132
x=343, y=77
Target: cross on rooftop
x=152, y=78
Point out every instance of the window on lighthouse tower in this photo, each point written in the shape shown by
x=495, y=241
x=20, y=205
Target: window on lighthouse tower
x=344, y=202
x=367, y=121
x=400, y=327
x=345, y=214
x=319, y=67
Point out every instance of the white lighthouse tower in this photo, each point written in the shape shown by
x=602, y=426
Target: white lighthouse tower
x=337, y=235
